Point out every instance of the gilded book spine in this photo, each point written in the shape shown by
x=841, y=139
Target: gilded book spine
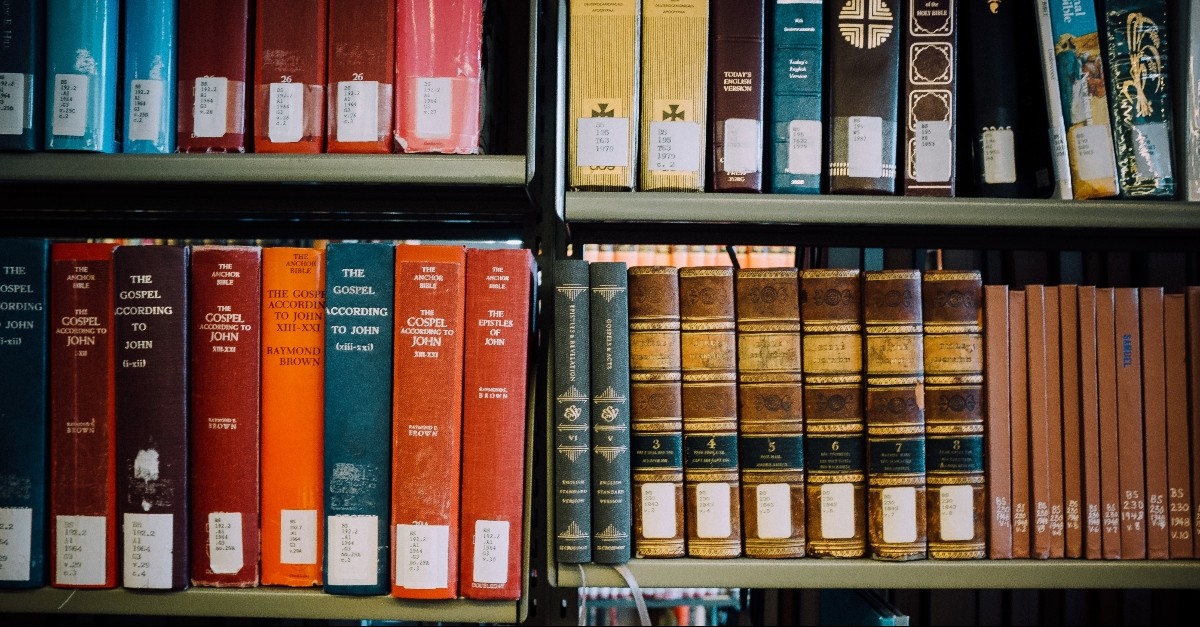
x=931, y=97
x=572, y=412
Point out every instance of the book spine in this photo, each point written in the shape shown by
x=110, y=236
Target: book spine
x=602, y=100
x=656, y=411
x=572, y=412
x=864, y=75
x=1089, y=403
x=293, y=374
x=997, y=422
x=83, y=434
x=1179, y=483
x=1130, y=426
x=995, y=123
x=1054, y=424
x=1189, y=95
x=427, y=448
x=771, y=411
x=1072, y=437
x=708, y=362
x=213, y=48
x=834, y=413
x=359, y=297
x=81, y=75
x=225, y=353
x=797, y=114
x=930, y=100
x=149, y=79
x=1154, y=415
x=1106, y=374
x=674, y=95
x=439, y=48
x=22, y=69
x=362, y=68
x=1041, y=475
x=24, y=271
x=736, y=84
x=496, y=337
x=1056, y=122
x=1018, y=381
x=1193, y=352
x=289, y=75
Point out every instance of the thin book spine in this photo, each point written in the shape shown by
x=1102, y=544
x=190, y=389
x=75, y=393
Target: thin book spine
x=572, y=412
x=22, y=70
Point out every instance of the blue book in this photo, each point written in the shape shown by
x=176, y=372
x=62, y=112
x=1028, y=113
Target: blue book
x=149, y=78
x=794, y=58
x=359, y=298
x=22, y=57
x=23, y=421
x=81, y=75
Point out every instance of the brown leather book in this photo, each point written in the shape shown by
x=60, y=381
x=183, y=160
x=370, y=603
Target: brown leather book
x=1039, y=428
x=997, y=422
x=1018, y=381
x=736, y=85
x=1068, y=308
x=1154, y=408
x=930, y=99
x=1106, y=375
x=1130, y=427
x=1054, y=426
x=1179, y=481
x=1193, y=342
x=1089, y=410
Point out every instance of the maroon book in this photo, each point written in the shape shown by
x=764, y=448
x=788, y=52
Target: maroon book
x=213, y=43
x=736, y=92
x=289, y=75
x=362, y=66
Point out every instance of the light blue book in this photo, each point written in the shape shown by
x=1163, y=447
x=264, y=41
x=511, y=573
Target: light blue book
x=794, y=58
x=81, y=75
x=149, y=77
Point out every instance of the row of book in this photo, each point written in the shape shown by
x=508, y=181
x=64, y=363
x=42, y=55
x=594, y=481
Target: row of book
x=682, y=255
x=783, y=413
x=292, y=76
x=1057, y=97
x=352, y=416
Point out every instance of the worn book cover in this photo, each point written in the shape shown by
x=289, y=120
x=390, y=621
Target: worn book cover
x=929, y=104
x=289, y=75
x=362, y=68
x=213, y=47
x=736, y=83
x=795, y=96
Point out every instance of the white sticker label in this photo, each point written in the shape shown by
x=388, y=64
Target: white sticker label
x=1151, y=149
x=298, y=537
x=900, y=514
x=353, y=551
x=209, y=108
x=225, y=542
x=774, y=510
x=80, y=550
x=743, y=146
x=12, y=105
x=1093, y=150
x=999, y=156
x=423, y=556
x=148, y=550
x=16, y=541
x=658, y=510
x=958, y=512
x=866, y=146
x=804, y=147
x=491, y=552
x=837, y=511
x=433, y=107
x=286, y=123
x=70, y=105
x=603, y=142
x=712, y=510
x=931, y=155
x=145, y=109
x=358, y=111
x=674, y=146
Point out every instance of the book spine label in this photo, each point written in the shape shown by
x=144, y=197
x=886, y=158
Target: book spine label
x=149, y=79
x=1106, y=373
x=1127, y=344
x=797, y=116
x=930, y=49
x=362, y=64
x=22, y=70
x=213, y=48
x=1056, y=122
x=1154, y=415
x=1072, y=438
x=1019, y=424
x=736, y=82
x=289, y=75
x=997, y=422
x=572, y=412
x=81, y=75
x=1179, y=482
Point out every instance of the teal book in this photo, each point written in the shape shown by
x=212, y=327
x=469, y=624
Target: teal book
x=81, y=75
x=23, y=418
x=359, y=299
x=859, y=607
x=149, y=78
x=794, y=46
x=612, y=508
x=572, y=412
x=22, y=61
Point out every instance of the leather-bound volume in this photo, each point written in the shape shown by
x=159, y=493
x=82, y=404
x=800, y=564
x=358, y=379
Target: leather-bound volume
x=1179, y=481
x=362, y=66
x=708, y=359
x=1106, y=375
x=895, y=376
x=1154, y=416
x=289, y=75
x=573, y=412
x=834, y=412
x=930, y=100
x=1054, y=426
x=794, y=59
x=1039, y=427
x=1072, y=438
x=736, y=84
x=1089, y=430
x=997, y=422
x=771, y=411
x=656, y=411
x=1126, y=342
x=1018, y=381
x=213, y=47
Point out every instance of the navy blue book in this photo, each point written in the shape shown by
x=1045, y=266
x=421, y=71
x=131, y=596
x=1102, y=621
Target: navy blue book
x=23, y=376
x=22, y=57
x=359, y=288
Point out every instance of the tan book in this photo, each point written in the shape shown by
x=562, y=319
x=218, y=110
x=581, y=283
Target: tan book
x=1072, y=451
x=1039, y=427
x=1130, y=427
x=1179, y=481
x=1154, y=415
x=998, y=458
x=1054, y=425
x=1110, y=462
x=1018, y=380
x=1089, y=409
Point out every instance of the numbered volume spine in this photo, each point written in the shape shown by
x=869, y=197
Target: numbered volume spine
x=22, y=70
x=289, y=75
x=1127, y=343
x=149, y=79
x=736, y=84
x=1154, y=415
x=794, y=45
x=362, y=63
x=81, y=75
x=572, y=412
x=213, y=48
x=930, y=103
x=1179, y=481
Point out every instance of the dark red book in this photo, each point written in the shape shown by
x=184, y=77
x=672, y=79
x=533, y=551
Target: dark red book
x=213, y=44
x=1154, y=408
x=1130, y=427
x=1179, y=468
x=289, y=75
x=362, y=62
x=736, y=86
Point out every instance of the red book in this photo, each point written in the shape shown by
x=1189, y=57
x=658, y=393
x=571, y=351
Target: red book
x=1039, y=423
x=998, y=458
x=1089, y=409
x=226, y=302
x=83, y=429
x=1130, y=428
x=439, y=50
x=362, y=66
x=1019, y=406
x=496, y=353
x=1072, y=439
x=1154, y=407
x=213, y=43
x=1179, y=481
x=289, y=76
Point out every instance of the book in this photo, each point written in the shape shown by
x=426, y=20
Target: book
x=360, y=286
x=656, y=411
x=831, y=316
x=1126, y=342
x=362, y=68
x=226, y=353
x=293, y=375
x=213, y=48
x=1054, y=423
x=1106, y=375
x=151, y=359
x=736, y=83
x=24, y=272
x=1089, y=404
x=1055, y=120
x=708, y=362
x=1072, y=436
x=1188, y=93
x=83, y=428
x=770, y=411
x=795, y=101
x=496, y=352
x=81, y=75
x=427, y=429
x=993, y=119
x=1040, y=473
x=864, y=75
x=1018, y=381
x=439, y=53
x=149, y=80
x=1192, y=296
x=858, y=607
x=573, y=411
x=997, y=422
x=674, y=96
x=1179, y=482
x=895, y=376
x=930, y=97
x=289, y=75
x=1154, y=415
x=22, y=70
x=603, y=94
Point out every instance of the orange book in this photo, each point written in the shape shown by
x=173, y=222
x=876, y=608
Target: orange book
x=1179, y=467
x=1019, y=425
x=1154, y=416
x=293, y=401
x=1110, y=463
x=1130, y=423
